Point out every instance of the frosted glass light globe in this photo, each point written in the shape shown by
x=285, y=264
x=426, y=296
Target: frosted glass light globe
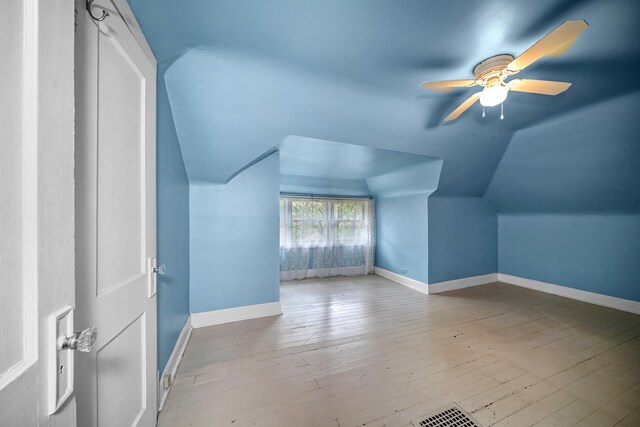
x=494, y=95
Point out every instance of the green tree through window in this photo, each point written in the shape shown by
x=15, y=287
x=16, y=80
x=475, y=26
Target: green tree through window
x=322, y=221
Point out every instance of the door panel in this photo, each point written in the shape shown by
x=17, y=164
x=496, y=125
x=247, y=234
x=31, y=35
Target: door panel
x=18, y=390
x=115, y=220
x=11, y=328
x=121, y=143
x=120, y=367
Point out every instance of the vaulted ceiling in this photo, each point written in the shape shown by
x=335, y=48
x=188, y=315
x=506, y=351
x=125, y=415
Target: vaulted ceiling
x=243, y=76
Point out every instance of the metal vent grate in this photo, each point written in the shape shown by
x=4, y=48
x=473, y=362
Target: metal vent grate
x=451, y=417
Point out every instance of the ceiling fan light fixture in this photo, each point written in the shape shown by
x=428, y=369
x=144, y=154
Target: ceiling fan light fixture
x=492, y=72
x=493, y=95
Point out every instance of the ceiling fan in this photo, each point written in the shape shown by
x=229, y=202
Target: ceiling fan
x=492, y=72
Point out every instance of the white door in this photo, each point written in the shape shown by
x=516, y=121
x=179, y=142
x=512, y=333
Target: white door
x=18, y=339
x=36, y=206
x=115, y=218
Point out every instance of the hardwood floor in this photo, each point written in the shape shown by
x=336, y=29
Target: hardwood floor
x=368, y=351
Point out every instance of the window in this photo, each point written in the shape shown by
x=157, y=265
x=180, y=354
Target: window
x=325, y=237
x=305, y=222
x=309, y=221
x=350, y=221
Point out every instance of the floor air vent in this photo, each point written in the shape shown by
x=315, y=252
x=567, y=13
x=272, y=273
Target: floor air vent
x=450, y=417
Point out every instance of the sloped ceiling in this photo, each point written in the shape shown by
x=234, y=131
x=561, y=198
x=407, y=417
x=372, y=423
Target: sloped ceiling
x=303, y=156
x=329, y=167
x=587, y=160
x=242, y=76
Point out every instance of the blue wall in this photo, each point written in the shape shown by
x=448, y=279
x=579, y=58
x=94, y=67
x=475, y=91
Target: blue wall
x=568, y=199
x=462, y=238
x=596, y=253
x=402, y=235
x=323, y=186
x=402, y=238
x=234, y=239
x=173, y=230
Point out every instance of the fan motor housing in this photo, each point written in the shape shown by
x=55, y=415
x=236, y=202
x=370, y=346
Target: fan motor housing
x=492, y=70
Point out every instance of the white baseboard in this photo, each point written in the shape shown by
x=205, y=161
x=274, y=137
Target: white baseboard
x=411, y=283
x=564, y=291
x=174, y=362
x=435, y=288
x=217, y=317
x=465, y=282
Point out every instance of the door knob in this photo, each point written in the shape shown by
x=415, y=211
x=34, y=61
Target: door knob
x=161, y=269
x=83, y=341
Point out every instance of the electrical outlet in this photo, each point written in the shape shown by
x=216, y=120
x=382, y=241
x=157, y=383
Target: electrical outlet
x=403, y=271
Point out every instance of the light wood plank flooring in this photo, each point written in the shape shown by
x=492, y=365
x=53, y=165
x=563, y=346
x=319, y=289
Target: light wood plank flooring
x=366, y=351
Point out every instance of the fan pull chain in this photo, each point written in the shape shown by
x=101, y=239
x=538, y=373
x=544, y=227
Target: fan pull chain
x=502, y=111
x=483, y=112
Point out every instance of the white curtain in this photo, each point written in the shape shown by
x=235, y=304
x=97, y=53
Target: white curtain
x=322, y=237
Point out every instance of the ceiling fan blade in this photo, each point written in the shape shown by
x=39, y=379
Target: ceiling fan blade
x=463, y=107
x=543, y=87
x=555, y=43
x=447, y=85
x=560, y=50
